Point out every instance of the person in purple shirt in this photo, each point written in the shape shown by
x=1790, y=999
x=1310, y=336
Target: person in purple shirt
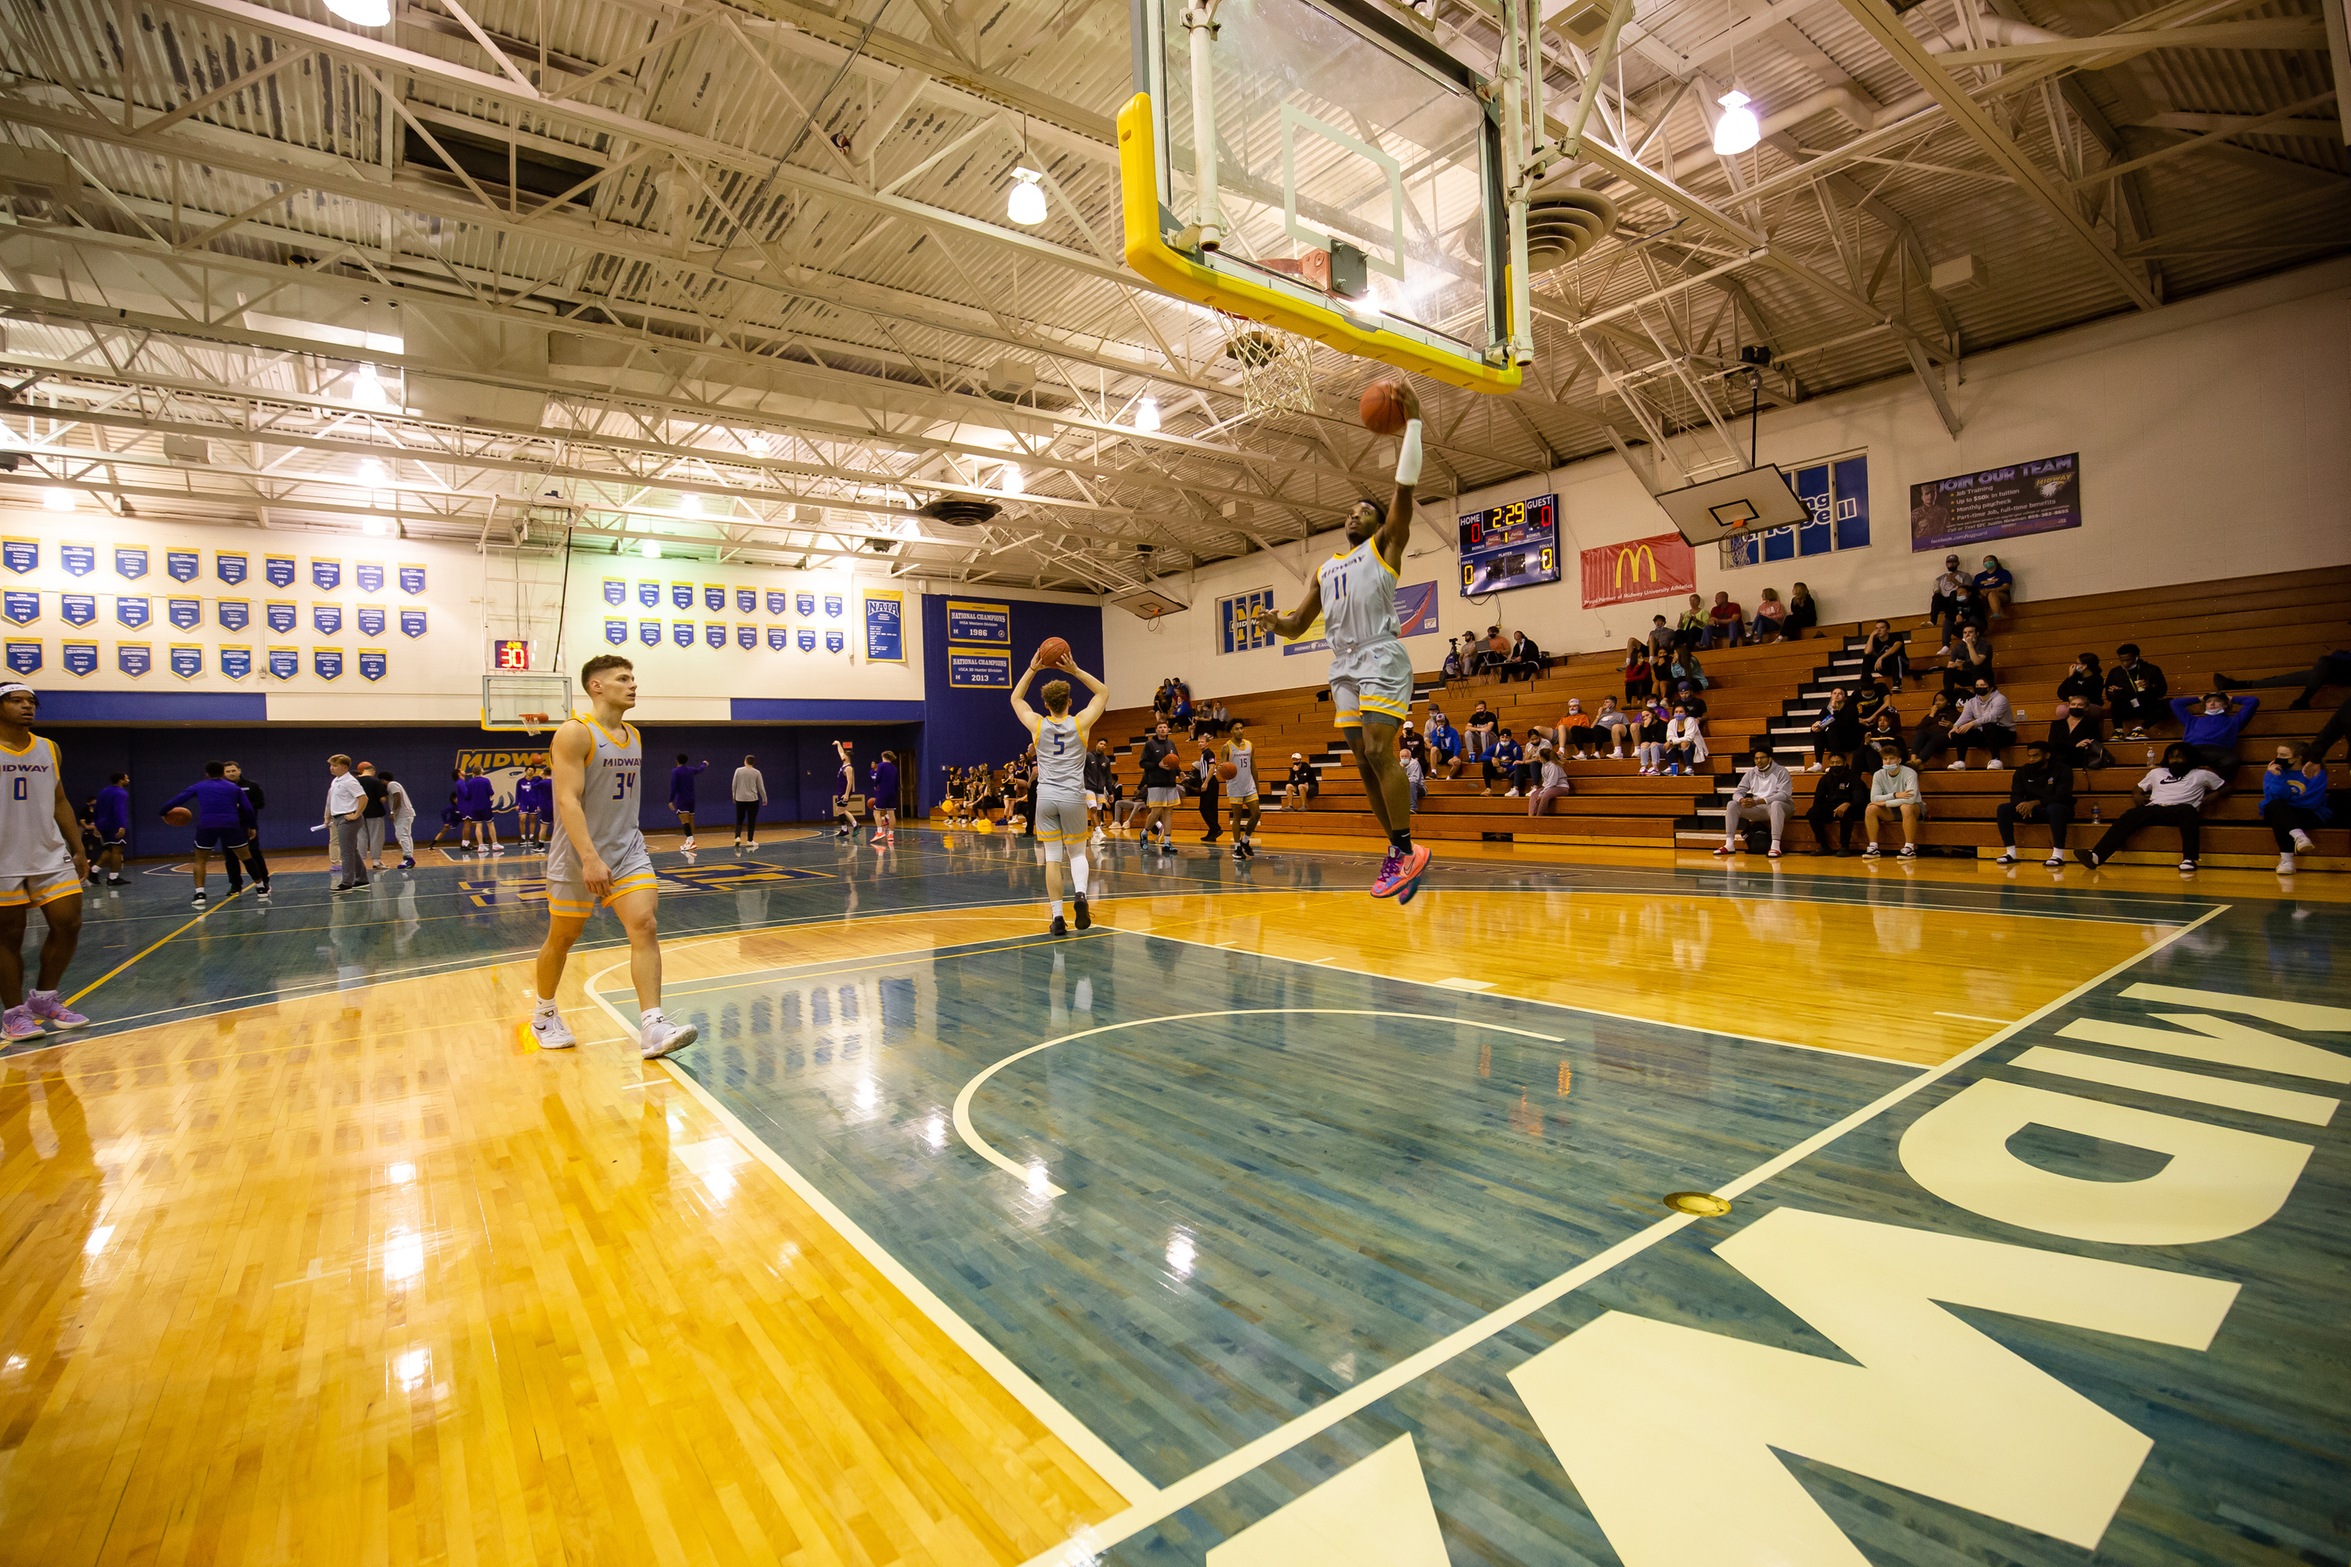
x=481, y=801
x=113, y=821
x=224, y=821
x=681, y=796
x=882, y=787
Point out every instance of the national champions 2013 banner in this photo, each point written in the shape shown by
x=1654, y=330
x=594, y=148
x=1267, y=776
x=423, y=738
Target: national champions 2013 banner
x=1660, y=566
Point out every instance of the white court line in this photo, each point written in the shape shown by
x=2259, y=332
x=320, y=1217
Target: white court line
x=1970, y=1017
x=1122, y=1476
x=1337, y=967
x=987, y=1150
x=1083, y=1548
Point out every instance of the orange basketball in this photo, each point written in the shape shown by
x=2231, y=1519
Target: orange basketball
x=1226, y=771
x=1385, y=406
x=179, y=816
x=1052, y=651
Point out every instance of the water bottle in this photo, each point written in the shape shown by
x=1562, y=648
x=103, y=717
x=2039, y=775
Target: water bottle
x=2150, y=756
x=2097, y=814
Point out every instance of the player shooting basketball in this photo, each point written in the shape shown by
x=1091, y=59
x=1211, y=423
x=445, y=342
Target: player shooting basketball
x=1371, y=674
x=1061, y=773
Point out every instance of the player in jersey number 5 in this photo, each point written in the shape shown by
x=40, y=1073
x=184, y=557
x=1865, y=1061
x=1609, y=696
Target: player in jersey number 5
x=41, y=861
x=598, y=858
x=1061, y=738
x=1371, y=674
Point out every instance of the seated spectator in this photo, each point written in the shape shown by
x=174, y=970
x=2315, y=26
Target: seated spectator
x=1769, y=615
x=1649, y=739
x=1943, y=593
x=1690, y=630
x=1609, y=726
x=1452, y=669
x=1525, y=660
x=1870, y=698
x=2042, y=790
x=1985, y=721
x=1893, y=796
x=2087, y=680
x=2332, y=669
x=1685, y=744
x=1575, y=732
x=1836, y=732
x=1637, y=671
x=1481, y=731
x=1687, y=694
x=1552, y=784
x=1414, y=777
x=1967, y=609
x=1885, y=655
x=1417, y=743
x=2134, y=693
x=2294, y=799
x=1967, y=659
x=1883, y=730
x=1179, y=712
x=1303, y=784
x=2077, y=736
x=2172, y=795
x=1444, y=745
x=1685, y=670
x=1840, y=798
x=1502, y=761
x=1803, y=613
x=2210, y=726
x=1726, y=623
x=1995, y=585
x=1163, y=699
x=1765, y=790
x=1661, y=642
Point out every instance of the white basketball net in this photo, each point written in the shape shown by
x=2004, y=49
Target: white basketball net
x=1277, y=372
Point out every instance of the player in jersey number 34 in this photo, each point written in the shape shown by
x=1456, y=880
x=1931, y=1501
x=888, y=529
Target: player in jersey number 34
x=598, y=859
x=41, y=862
x=1371, y=674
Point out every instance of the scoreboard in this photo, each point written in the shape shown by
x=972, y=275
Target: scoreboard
x=1512, y=546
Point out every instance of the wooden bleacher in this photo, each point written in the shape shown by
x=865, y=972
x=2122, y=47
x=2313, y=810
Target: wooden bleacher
x=1769, y=694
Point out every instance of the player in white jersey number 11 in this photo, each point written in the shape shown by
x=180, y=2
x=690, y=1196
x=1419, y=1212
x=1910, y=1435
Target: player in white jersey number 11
x=597, y=858
x=40, y=862
x=1062, y=828
x=1371, y=675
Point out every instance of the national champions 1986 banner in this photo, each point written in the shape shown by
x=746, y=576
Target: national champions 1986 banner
x=1660, y=566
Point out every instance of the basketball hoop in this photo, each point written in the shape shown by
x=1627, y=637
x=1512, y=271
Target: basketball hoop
x=1277, y=372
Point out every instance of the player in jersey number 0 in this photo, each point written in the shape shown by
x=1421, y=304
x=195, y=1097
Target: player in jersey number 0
x=1371, y=674
x=41, y=861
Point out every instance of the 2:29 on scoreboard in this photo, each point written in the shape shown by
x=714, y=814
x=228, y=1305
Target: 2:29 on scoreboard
x=1515, y=545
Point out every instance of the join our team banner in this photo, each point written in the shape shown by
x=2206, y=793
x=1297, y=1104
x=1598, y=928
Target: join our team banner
x=1660, y=566
x=1416, y=616
x=2041, y=496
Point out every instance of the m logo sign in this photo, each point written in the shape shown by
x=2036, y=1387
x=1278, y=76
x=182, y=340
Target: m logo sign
x=1657, y=567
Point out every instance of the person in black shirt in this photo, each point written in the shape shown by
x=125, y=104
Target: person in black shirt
x=1101, y=790
x=1300, y=788
x=371, y=819
x=1842, y=797
x=2042, y=790
x=2087, y=680
x=1163, y=777
x=2135, y=692
x=2077, y=737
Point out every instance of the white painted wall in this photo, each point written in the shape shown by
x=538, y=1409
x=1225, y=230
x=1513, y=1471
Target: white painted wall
x=2215, y=440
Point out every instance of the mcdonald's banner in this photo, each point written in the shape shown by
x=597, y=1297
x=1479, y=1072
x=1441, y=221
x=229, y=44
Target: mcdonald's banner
x=1661, y=566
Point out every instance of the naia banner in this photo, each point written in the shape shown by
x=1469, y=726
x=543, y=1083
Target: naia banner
x=1656, y=567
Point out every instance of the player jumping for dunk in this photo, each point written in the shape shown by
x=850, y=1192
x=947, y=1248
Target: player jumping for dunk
x=1371, y=674
x=1061, y=780
x=598, y=856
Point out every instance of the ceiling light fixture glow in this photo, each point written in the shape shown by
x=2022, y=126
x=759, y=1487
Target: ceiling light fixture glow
x=1011, y=480
x=1025, y=202
x=367, y=389
x=374, y=527
x=1147, y=415
x=363, y=13
x=649, y=548
x=60, y=500
x=1738, y=129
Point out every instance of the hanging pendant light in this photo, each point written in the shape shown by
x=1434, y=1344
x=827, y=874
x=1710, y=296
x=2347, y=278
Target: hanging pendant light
x=1738, y=129
x=1147, y=415
x=1025, y=202
x=363, y=13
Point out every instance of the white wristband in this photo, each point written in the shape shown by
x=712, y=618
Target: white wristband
x=1408, y=456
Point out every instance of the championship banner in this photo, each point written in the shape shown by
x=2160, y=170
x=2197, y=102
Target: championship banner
x=969, y=622
x=682, y=633
x=369, y=574
x=616, y=632
x=412, y=622
x=279, y=615
x=372, y=663
x=22, y=608
x=778, y=638
x=746, y=601
x=79, y=560
x=649, y=632
x=371, y=619
x=185, y=659
x=885, y=624
x=325, y=575
x=327, y=662
x=778, y=602
x=747, y=637
x=835, y=641
x=81, y=658
x=412, y=580
x=284, y=663
x=714, y=597
x=24, y=658
x=184, y=614
x=649, y=595
x=131, y=611
x=79, y=609
x=681, y=595
x=327, y=619
x=182, y=565
x=1660, y=566
x=133, y=658
x=616, y=592
x=236, y=662
x=230, y=566
x=20, y=555
x=1998, y=503
x=130, y=561
x=278, y=570
x=977, y=668
x=233, y=614
x=714, y=634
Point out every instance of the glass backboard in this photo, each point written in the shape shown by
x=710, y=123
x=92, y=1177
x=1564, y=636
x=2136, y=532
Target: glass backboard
x=1356, y=180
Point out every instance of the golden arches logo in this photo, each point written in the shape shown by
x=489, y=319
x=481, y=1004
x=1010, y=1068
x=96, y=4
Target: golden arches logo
x=1635, y=558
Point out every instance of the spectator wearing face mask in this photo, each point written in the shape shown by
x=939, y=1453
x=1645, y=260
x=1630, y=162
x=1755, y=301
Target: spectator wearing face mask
x=2077, y=737
x=2134, y=693
x=1444, y=742
x=2042, y=791
x=2210, y=725
x=1840, y=799
x=1300, y=788
x=2087, y=680
x=1836, y=731
x=1764, y=790
x=1995, y=584
x=2294, y=799
x=1552, y=785
x=1609, y=726
x=1501, y=763
x=1685, y=744
x=1985, y=721
x=1482, y=723
x=1649, y=739
x=2171, y=795
x=1944, y=591
x=1893, y=796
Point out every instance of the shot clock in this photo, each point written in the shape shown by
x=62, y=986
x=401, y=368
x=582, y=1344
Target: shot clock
x=510, y=655
x=1510, y=546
